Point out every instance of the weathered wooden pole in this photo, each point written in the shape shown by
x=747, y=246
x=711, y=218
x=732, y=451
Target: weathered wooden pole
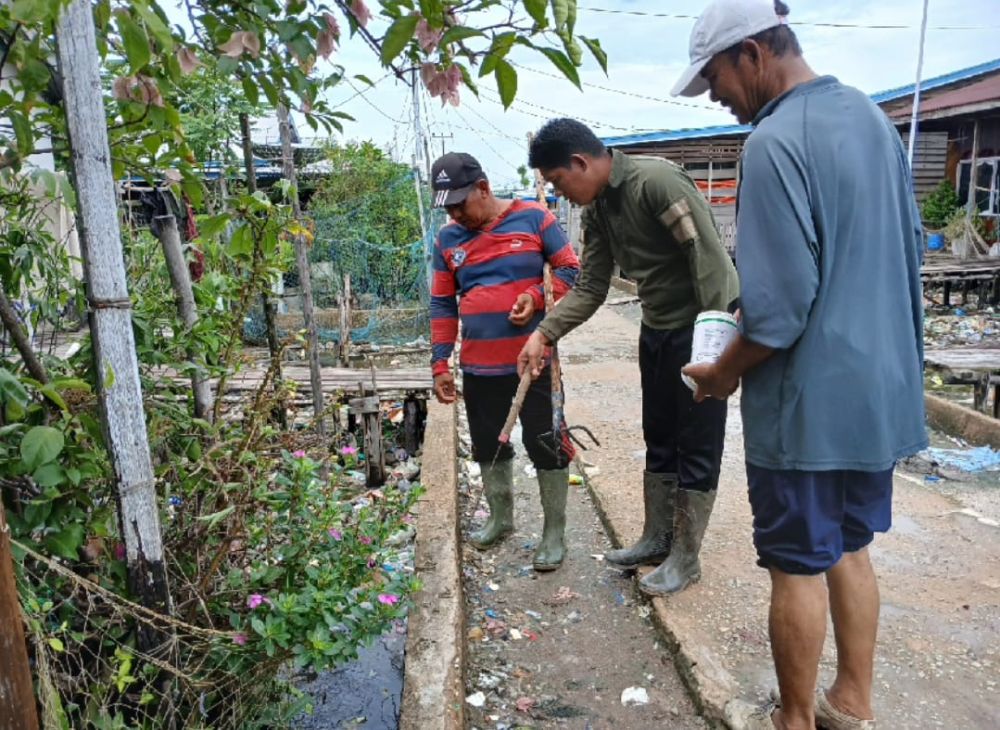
x=345, y=321
x=267, y=303
x=17, y=695
x=305, y=277
x=117, y=368
x=180, y=278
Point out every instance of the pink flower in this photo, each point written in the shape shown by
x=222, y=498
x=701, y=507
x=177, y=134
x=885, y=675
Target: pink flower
x=365, y=540
x=255, y=600
x=389, y=599
x=240, y=42
x=349, y=450
x=336, y=534
x=444, y=83
x=326, y=41
x=427, y=37
x=239, y=639
x=408, y=519
x=361, y=12
x=300, y=454
x=372, y=562
x=119, y=551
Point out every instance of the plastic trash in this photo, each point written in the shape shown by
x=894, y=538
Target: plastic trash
x=635, y=696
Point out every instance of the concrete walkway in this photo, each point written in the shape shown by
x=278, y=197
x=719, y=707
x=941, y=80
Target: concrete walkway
x=938, y=662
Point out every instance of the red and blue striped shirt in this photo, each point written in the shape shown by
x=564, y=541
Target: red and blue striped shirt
x=478, y=276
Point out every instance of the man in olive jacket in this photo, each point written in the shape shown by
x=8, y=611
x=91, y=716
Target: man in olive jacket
x=647, y=215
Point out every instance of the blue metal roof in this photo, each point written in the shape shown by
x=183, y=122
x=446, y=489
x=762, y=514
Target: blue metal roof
x=673, y=135
x=937, y=81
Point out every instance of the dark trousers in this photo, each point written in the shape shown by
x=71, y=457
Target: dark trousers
x=487, y=402
x=682, y=437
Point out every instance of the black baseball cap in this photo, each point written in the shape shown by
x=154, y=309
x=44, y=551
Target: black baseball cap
x=453, y=176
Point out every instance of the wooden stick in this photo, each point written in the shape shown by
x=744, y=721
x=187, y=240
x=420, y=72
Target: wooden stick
x=17, y=696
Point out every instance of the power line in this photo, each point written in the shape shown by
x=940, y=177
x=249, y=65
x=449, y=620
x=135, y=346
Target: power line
x=367, y=101
x=498, y=130
x=887, y=26
x=488, y=145
x=360, y=92
x=658, y=99
x=559, y=113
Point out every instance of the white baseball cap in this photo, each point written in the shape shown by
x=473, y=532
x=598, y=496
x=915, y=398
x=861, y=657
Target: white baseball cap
x=722, y=24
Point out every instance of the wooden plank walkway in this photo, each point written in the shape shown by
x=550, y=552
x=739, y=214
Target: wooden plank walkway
x=964, y=359
x=388, y=380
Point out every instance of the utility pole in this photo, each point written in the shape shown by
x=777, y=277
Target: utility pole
x=442, y=137
x=916, y=89
x=419, y=142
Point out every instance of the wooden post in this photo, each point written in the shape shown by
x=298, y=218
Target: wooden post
x=411, y=424
x=17, y=695
x=266, y=302
x=973, y=172
x=118, y=388
x=345, y=322
x=180, y=278
x=305, y=278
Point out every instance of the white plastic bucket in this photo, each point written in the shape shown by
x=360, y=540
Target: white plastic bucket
x=713, y=331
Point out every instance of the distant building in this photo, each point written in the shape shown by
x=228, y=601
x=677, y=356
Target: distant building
x=959, y=123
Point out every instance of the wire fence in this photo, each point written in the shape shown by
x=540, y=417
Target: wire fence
x=91, y=672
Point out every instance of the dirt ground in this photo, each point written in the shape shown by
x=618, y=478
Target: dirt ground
x=558, y=649
x=938, y=662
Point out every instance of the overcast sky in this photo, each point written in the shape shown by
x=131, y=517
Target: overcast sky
x=646, y=55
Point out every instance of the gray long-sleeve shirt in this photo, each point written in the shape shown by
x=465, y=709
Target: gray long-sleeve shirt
x=828, y=246
x=652, y=220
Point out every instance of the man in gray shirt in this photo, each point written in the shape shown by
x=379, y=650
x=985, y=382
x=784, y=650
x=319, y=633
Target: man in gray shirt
x=828, y=247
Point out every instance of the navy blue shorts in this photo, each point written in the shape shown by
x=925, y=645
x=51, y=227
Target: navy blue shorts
x=804, y=521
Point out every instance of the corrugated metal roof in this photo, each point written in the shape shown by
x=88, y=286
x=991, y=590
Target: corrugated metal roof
x=937, y=81
x=975, y=93
x=673, y=135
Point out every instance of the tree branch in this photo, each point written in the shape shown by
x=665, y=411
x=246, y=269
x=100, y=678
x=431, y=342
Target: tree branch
x=13, y=325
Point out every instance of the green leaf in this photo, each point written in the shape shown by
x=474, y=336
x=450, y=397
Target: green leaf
x=109, y=376
x=156, y=26
x=50, y=392
x=28, y=11
x=41, y=445
x=467, y=79
x=241, y=244
x=56, y=643
x=599, y=53
x=49, y=475
x=22, y=132
x=250, y=89
x=34, y=74
x=560, y=12
x=488, y=65
x=213, y=226
x=506, y=78
x=216, y=517
x=66, y=542
x=433, y=11
x=11, y=388
x=536, y=9
x=71, y=384
x=135, y=40
x=561, y=61
x=459, y=33
x=270, y=90
x=396, y=38
x=364, y=79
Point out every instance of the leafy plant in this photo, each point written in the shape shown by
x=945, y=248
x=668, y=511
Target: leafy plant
x=938, y=207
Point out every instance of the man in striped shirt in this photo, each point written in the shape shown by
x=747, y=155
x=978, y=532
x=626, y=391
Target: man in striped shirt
x=488, y=275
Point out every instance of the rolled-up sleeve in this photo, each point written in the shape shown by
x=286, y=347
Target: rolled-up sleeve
x=591, y=288
x=777, y=252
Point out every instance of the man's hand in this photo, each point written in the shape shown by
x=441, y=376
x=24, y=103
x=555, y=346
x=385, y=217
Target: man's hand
x=532, y=355
x=444, y=388
x=711, y=381
x=523, y=310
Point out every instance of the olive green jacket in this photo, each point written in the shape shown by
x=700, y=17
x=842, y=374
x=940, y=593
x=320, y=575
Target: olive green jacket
x=654, y=223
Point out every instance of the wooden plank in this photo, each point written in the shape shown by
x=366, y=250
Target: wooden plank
x=17, y=695
x=980, y=359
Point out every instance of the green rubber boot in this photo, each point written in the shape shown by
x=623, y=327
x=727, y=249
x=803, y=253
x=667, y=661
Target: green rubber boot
x=498, y=481
x=658, y=494
x=552, y=485
x=682, y=568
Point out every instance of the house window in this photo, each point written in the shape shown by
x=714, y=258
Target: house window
x=987, y=184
